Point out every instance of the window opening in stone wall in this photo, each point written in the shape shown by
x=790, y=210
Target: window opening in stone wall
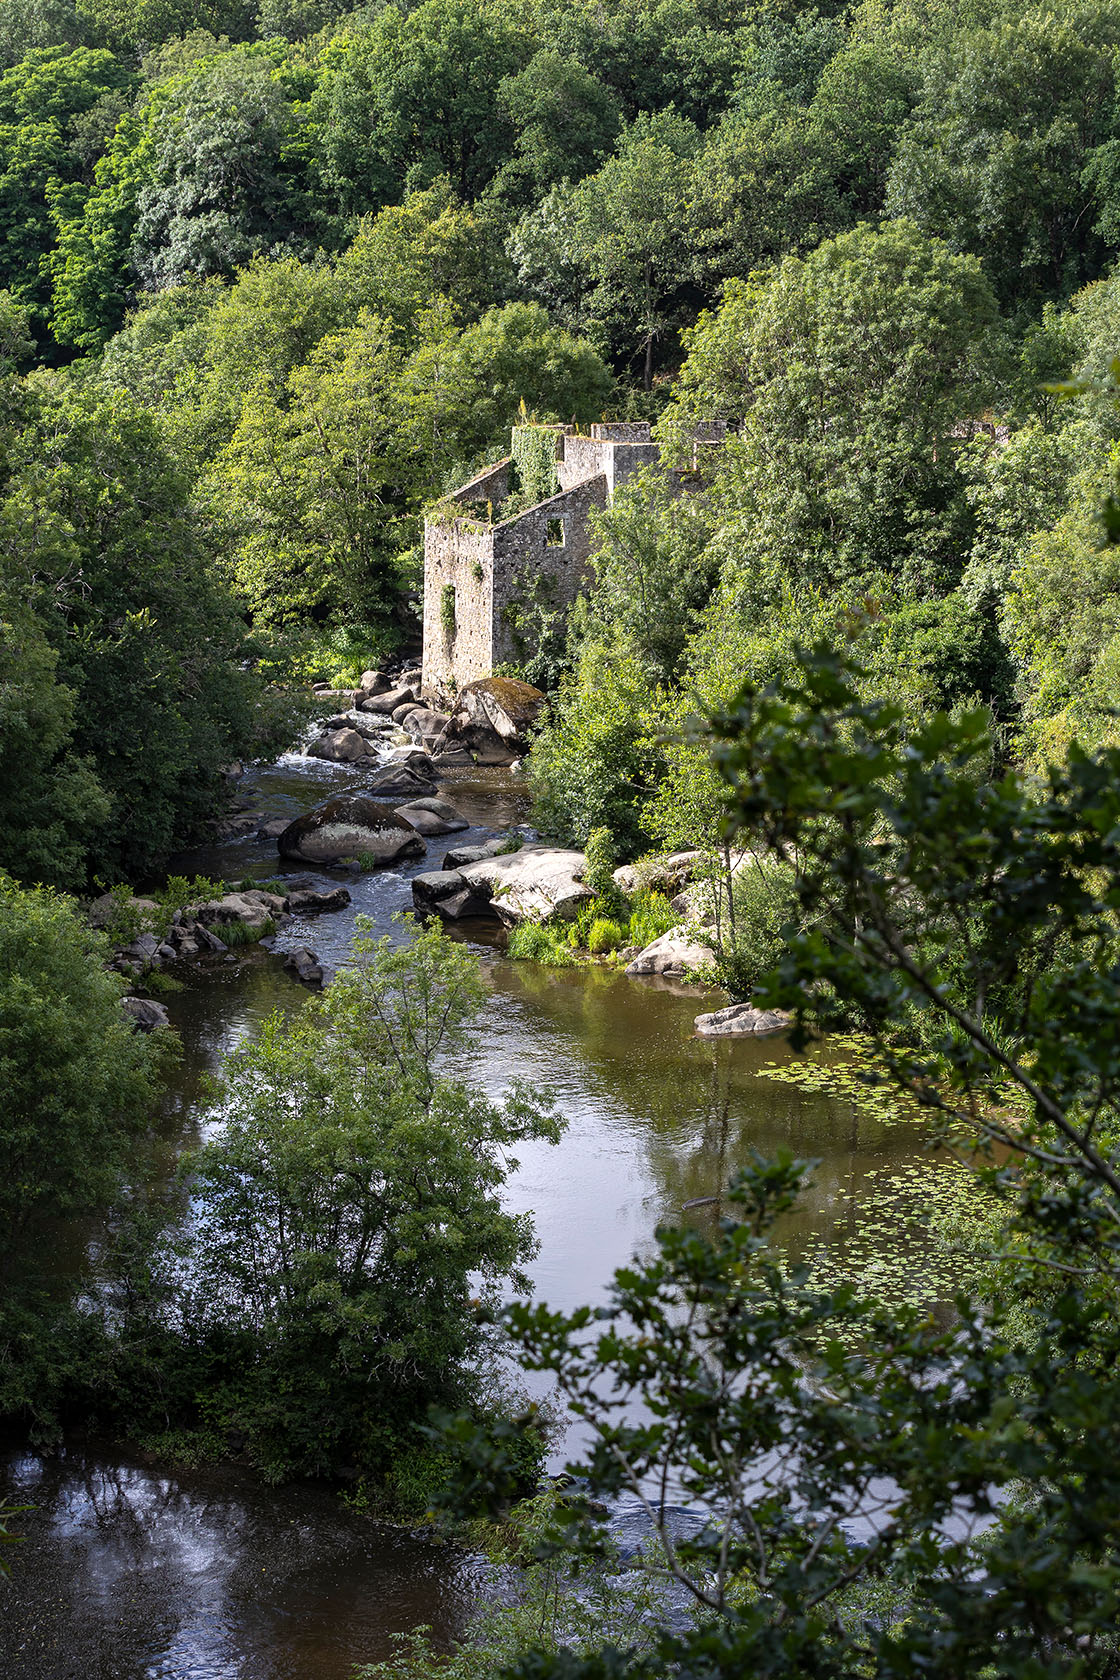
x=554, y=533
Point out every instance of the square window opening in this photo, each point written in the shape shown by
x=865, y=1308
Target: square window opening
x=554, y=534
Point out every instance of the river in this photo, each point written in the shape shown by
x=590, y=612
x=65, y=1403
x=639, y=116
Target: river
x=132, y=1572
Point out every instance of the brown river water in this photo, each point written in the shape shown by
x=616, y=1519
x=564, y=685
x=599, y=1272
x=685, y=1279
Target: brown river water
x=135, y=1572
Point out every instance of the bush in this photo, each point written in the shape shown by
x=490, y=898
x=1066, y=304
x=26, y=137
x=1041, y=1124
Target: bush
x=651, y=915
x=604, y=935
x=539, y=942
x=765, y=905
x=181, y=891
x=78, y=1081
x=347, y=1220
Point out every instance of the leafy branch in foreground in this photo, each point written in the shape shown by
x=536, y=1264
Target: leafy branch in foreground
x=837, y=1449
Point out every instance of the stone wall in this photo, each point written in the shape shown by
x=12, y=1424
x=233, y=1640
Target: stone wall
x=491, y=485
x=551, y=542
x=622, y=431
x=494, y=567
x=616, y=458
x=458, y=553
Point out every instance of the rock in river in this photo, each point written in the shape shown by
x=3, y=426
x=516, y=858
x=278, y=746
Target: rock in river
x=432, y=816
x=305, y=965
x=741, y=1020
x=494, y=715
x=394, y=781
x=341, y=746
x=534, y=884
x=674, y=954
x=444, y=893
x=145, y=1014
x=352, y=825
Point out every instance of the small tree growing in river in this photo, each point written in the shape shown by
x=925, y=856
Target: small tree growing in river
x=348, y=1214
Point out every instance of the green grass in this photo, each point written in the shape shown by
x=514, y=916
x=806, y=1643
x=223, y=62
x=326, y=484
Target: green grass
x=651, y=915
x=237, y=933
x=603, y=935
x=540, y=942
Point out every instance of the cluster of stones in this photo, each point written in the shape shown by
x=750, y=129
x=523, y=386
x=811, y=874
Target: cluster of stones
x=196, y=931
x=488, y=725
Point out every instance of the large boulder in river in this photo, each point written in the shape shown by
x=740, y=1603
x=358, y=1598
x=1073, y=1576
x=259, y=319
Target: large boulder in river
x=430, y=729
x=433, y=816
x=444, y=893
x=352, y=825
x=145, y=1014
x=386, y=704
x=254, y=911
x=305, y=965
x=536, y=883
x=339, y=746
x=413, y=780
x=494, y=717
x=674, y=954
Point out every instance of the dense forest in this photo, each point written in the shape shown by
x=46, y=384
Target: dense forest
x=273, y=279
x=280, y=278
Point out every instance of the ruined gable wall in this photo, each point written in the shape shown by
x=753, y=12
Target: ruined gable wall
x=490, y=485
x=459, y=553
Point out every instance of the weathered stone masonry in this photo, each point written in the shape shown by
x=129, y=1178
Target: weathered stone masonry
x=477, y=567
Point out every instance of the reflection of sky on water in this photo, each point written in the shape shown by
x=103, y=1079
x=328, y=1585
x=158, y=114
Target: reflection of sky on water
x=208, y=1577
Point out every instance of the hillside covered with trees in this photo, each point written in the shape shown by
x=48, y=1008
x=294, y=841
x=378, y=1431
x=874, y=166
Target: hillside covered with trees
x=277, y=275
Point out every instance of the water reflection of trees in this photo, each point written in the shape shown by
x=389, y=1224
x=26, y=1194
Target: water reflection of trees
x=696, y=1107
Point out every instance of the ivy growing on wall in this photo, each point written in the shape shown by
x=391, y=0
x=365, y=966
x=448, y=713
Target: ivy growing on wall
x=447, y=610
x=534, y=463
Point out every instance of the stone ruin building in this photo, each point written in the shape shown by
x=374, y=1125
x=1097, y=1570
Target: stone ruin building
x=486, y=554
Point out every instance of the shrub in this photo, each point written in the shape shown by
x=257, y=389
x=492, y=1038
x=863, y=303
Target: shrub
x=765, y=905
x=179, y=892
x=603, y=935
x=348, y=1221
x=539, y=942
x=601, y=853
x=77, y=1081
x=651, y=915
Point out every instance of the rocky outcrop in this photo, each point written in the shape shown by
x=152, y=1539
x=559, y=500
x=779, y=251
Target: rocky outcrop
x=305, y=900
x=445, y=894
x=741, y=1020
x=676, y=953
x=493, y=718
x=105, y=910
x=340, y=746
x=145, y=1014
x=386, y=704
x=433, y=816
x=430, y=729
x=666, y=874
x=351, y=825
x=537, y=883
x=459, y=856
x=305, y=965
x=407, y=780
x=254, y=913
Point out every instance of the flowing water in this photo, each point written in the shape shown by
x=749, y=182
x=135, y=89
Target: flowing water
x=130, y=1572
